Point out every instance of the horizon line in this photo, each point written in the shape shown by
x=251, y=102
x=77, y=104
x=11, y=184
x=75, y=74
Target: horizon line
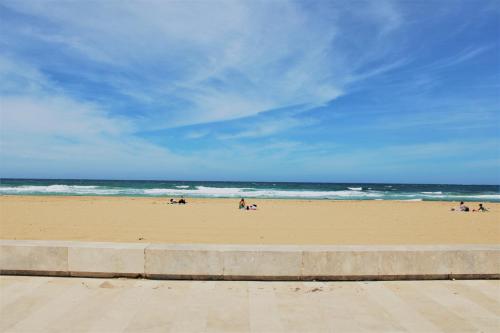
x=241, y=181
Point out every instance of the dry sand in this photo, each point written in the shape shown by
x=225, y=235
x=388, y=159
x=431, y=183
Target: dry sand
x=219, y=221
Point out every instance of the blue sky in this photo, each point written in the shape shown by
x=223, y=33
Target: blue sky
x=325, y=91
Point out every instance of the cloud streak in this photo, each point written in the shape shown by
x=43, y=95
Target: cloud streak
x=237, y=60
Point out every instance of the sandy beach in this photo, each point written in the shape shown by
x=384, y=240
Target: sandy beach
x=128, y=219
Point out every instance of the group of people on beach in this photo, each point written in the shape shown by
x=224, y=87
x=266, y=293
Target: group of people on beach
x=181, y=201
x=242, y=205
x=464, y=208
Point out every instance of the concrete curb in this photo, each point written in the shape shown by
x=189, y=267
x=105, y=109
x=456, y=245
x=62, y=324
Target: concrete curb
x=249, y=262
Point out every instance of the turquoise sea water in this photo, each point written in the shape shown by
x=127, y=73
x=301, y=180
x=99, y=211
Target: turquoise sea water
x=211, y=189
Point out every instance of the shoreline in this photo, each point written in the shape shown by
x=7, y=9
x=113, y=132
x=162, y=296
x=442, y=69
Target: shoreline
x=188, y=197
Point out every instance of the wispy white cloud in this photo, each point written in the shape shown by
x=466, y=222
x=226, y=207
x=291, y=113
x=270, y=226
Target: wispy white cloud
x=440, y=117
x=196, y=134
x=67, y=138
x=463, y=56
x=255, y=128
x=58, y=116
x=21, y=78
x=220, y=60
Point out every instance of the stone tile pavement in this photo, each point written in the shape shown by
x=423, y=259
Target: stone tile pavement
x=46, y=304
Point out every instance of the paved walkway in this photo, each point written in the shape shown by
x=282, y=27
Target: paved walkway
x=43, y=304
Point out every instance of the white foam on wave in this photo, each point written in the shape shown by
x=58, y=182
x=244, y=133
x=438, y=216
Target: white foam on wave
x=69, y=190
x=464, y=196
x=182, y=186
x=438, y=192
x=48, y=189
x=485, y=196
x=233, y=192
x=224, y=190
x=205, y=191
x=355, y=188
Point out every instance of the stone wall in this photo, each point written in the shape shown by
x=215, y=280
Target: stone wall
x=248, y=262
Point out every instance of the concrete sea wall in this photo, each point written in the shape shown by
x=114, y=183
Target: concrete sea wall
x=249, y=262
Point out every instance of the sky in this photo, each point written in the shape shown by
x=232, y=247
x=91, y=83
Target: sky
x=312, y=91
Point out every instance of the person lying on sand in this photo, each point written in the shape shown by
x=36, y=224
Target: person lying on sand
x=182, y=201
x=481, y=208
x=252, y=207
x=172, y=201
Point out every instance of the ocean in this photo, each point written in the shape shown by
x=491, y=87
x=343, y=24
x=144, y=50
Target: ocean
x=271, y=190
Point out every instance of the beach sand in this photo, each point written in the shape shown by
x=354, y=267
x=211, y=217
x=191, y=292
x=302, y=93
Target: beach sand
x=127, y=219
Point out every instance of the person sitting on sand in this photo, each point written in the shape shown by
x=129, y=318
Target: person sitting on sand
x=242, y=204
x=182, y=201
x=461, y=208
x=481, y=208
